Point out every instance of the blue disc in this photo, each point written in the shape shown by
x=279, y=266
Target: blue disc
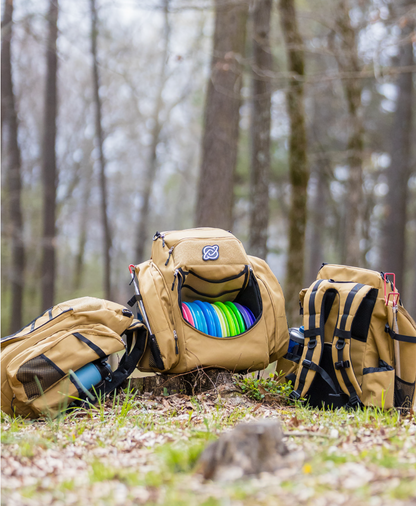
x=188, y=305
x=208, y=317
x=202, y=324
x=210, y=308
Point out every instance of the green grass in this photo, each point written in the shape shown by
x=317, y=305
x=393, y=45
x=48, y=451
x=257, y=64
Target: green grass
x=140, y=450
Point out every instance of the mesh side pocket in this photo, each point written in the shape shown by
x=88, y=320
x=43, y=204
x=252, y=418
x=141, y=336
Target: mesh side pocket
x=403, y=394
x=44, y=369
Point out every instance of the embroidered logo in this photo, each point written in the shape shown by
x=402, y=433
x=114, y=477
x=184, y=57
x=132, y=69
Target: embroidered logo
x=210, y=252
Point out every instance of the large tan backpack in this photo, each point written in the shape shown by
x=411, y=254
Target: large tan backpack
x=39, y=363
x=359, y=342
x=207, y=264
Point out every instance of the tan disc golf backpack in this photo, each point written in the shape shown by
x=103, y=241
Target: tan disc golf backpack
x=359, y=342
x=207, y=264
x=39, y=363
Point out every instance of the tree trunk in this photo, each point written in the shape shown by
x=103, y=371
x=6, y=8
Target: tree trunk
x=49, y=172
x=14, y=177
x=82, y=237
x=298, y=167
x=107, y=241
x=151, y=169
x=318, y=210
x=221, y=123
x=260, y=129
x=346, y=55
x=394, y=233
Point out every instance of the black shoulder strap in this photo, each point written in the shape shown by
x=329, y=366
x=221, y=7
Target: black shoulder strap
x=312, y=334
x=136, y=345
x=341, y=357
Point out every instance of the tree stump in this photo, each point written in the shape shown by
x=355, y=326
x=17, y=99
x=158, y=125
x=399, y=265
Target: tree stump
x=191, y=383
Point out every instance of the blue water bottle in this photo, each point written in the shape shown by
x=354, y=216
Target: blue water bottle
x=91, y=374
x=296, y=339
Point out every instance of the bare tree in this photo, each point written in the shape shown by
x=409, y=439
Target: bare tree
x=394, y=230
x=221, y=124
x=13, y=168
x=49, y=171
x=298, y=166
x=260, y=128
x=151, y=168
x=344, y=46
x=107, y=240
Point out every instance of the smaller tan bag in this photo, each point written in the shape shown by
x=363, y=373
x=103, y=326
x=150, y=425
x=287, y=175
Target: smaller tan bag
x=36, y=361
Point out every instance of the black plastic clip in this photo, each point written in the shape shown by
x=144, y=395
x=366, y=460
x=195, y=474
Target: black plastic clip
x=342, y=364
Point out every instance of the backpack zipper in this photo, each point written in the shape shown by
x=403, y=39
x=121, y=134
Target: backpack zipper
x=170, y=254
x=175, y=275
x=175, y=335
x=159, y=235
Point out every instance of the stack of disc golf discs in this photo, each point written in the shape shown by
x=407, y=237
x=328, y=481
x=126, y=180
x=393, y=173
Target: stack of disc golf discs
x=220, y=319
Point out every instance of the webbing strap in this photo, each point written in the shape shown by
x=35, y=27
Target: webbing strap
x=128, y=362
x=344, y=335
x=311, y=336
x=400, y=337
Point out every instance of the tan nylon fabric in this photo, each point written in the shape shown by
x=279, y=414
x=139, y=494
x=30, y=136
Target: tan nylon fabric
x=374, y=385
x=52, y=336
x=184, y=348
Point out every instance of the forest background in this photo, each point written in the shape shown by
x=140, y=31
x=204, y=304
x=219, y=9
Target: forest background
x=289, y=123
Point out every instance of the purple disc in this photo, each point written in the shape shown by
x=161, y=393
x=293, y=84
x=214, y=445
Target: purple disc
x=249, y=311
x=245, y=314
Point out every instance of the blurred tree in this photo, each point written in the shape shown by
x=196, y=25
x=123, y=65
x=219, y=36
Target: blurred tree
x=221, y=124
x=49, y=172
x=343, y=43
x=151, y=167
x=399, y=171
x=13, y=168
x=107, y=239
x=260, y=128
x=298, y=166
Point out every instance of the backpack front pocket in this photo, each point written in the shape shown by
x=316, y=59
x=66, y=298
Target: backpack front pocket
x=378, y=386
x=35, y=371
x=162, y=353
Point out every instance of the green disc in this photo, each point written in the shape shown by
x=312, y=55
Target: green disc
x=230, y=318
x=224, y=315
x=237, y=315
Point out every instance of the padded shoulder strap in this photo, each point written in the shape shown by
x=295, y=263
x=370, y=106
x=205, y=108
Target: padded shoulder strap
x=314, y=323
x=351, y=297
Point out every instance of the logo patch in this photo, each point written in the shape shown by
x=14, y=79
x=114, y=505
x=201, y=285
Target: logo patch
x=210, y=252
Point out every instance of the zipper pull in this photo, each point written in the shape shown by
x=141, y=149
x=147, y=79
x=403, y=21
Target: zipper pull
x=170, y=253
x=159, y=235
x=174, y=279
x=175, y=335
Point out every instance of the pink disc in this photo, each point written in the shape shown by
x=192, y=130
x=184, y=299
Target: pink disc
x=187, y=315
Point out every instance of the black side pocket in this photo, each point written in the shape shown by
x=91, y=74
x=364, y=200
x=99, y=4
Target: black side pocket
x=403, y=394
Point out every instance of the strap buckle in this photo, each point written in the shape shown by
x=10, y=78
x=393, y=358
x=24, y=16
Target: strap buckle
x=354, y=401
x=307, y=363
x=294, y=395
x=342, y=364
x=312, y=344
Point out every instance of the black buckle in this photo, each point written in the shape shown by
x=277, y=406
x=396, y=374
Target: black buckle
x=312, y=344
x=307, y=364
x=353, y=402
x=340, y=344
x=294, y=395
x=342, y=364
x=387, y=329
